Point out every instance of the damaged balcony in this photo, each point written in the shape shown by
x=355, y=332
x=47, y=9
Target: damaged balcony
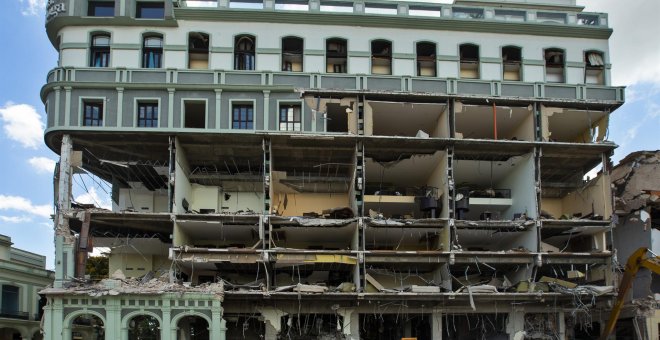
x=569, y=125
x=494, y=122
x=495, y=187
x=213, y=175
x=405, y=185
x=421, y=119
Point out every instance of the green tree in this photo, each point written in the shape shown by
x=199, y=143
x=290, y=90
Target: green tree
x=97, y=267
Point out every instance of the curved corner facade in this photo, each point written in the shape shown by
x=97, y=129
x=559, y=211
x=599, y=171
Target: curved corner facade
x=318, y=169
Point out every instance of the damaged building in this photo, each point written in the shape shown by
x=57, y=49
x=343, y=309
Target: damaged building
x=326, y=169
x=636, y=186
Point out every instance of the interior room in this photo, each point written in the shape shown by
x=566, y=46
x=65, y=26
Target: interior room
x=488, y=190
x=397, y=277
x=135, y=257
x=573, y=238
x=398, y=237
x=138, y=198
x=511, y=238
x=292, y=54
x=194, y=112
x=311, y=326
x=198, y=50
x=574, y=126
x=475, y=326
x=409, y=186
x=213, y=179
x=312, y=180
x=244, y=326
x=511, y=63
x=235, y=233
x=589, y=200
x=337, y=236
x=406, y=119
x=506, y=123
x=469, y=61
x=320, y=273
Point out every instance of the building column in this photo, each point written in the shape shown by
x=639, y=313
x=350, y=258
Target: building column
x=351, y=323
x=218, y=324
x=165, y=327
x=170, y=108
x=67, y=105
x=273, y=321
x=64, y=241
x=218, y=103
x=120, y=106
x=266, y=106
x=113, y=319
x=516, y=324
x=436, y=324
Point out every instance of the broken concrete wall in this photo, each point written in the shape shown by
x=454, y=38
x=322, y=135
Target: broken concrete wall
x=182, y=186
x=136, y=265
x=573, y=126
x=297, y=204
x=594, y=198
x=220, y=201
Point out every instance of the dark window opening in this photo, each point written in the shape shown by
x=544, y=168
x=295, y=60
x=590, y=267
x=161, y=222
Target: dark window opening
x=198, y=50
x=244, y=46
x=152, y=52
x=88, y=327
x=395, y=327
x=193, y=328
x=10, y=300
x=511, y=63
x=93, y=113
x=475, y=326
x=336, y=56
x=143, y=327
x=194, y=114
x=381, y=57
x=101, y=8
x=150, y=10
x=292, y=54
x=244, y=327
x=336, y=118
x=147, y=114
x=311, y=326
x=242, y=117
x=290, y=118
x=554, y=65
x=426, y=59
x=594, y=72
x=469, y=58
x=100, y=51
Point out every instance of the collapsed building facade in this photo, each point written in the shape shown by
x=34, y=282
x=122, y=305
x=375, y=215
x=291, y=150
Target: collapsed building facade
x=636, y=185
x=332, y=169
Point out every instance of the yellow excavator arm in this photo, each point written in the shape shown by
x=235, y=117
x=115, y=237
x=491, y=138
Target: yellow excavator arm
x=638, y=259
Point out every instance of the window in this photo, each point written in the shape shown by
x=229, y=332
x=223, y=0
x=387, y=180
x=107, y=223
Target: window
x=335, y=55
x=290, y=117
x=152, y=52
x=147, y=114
x=381, y=57
x=469, y=56
x=292, y=54
x=244, y=52
x=100, y=51
x=426, y=65
x=554, y=65
x=194, y=114
x=594, y=71
x=150, y=10
x=92, y=113
x=198, y=50
x=242, y=117
x=101, y=8
x=10, y=300
x=511, y=63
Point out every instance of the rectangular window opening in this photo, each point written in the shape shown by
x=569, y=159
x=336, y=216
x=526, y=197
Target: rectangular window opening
x=147, y=114
x=242, y=117
x=336, y=56
x=150, y=10
x=101, y=8
x=194, y=114
x=93, y=113
x=290, y=117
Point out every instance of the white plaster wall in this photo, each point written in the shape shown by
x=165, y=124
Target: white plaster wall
x=125, y=58
x=491, y=71
x=575, y=75
x=268, y=62
x=74, y=57
x=314, y=63
x=448, y=69
x=269, y=35
x=533, y=73
x=222, y=61
x=404, y=67
x=175, y=59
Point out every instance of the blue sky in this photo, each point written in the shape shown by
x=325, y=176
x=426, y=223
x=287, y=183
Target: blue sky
x=26, y=184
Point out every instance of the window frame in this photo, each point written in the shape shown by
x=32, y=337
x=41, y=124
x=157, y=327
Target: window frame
x=519, y=62
x=291, y=103
x=388, y=57
x=136, y=111
x=244, y=53
x=434, y=56
x=601, y=68
x=339, y=54
x=83, y=102
x=183, y=111
x=198, y=51
x=140, y=5
x=149, y=49
x=94, y=49
x=461, y=61
x=547, y=65
x=93, y=4
x=17, y=292
x=243, y=102
x=301, y=55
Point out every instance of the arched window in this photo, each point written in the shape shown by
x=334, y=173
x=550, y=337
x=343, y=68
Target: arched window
x=554, y=65
x=193, y=328
x=511, y=63
x=292, y=54
x=99, y=55
x=381, y=57
x=198, y=50
x=152, y=51
x=87, y=327
x=426, y=59
x=594, y=71
x=469, y=57
x=143, y=327
x=244, y=46
x=336, y=55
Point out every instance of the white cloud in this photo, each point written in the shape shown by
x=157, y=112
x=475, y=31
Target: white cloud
x=33, y=7
x=23, y=204
x=42, y=164
x=15, y=219
x=634, y=45
x=93, y=197
x=22, y=123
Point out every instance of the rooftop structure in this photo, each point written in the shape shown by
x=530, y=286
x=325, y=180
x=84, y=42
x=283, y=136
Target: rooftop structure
x=316, y=169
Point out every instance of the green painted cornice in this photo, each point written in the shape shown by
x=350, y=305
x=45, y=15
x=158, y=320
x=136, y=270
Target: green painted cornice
x=402, y=22
x=125, y=46
x=175, y=47
x=315, y=52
